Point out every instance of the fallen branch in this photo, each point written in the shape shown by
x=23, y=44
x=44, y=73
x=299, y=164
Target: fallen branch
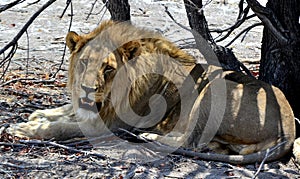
x=23, y=167
x=32, y=80
x=268, y=154
x=7, y=144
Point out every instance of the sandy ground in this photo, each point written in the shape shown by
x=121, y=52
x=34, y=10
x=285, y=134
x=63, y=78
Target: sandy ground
x=46, y=48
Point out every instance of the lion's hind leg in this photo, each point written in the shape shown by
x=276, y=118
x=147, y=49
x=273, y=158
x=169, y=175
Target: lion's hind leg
x=174, y=139
x=244, y=149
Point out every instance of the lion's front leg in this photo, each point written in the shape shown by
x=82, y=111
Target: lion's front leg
x=59, y=123
x=64, y=113
x=46, y=130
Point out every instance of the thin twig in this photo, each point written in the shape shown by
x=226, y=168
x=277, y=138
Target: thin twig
x=270, y=21
x=242, y=32
x=23, y=167
x=32, y=80
x=170, y=15
x=14, y=43
x=91, y=10
x=268, y=154
x=65, y=9
x=11, y=144
x=69, y=2
x=103, y=7
x=25, y=27
x=32, y=3
x=27, y=59
x=240, y=20
x=70, y=149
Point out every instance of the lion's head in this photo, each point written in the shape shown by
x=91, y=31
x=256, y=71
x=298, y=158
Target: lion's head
x=118, y=69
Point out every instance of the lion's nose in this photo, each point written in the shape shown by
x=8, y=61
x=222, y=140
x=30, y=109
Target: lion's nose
x=87, y=89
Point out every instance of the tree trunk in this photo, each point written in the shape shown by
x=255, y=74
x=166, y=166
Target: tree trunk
x=200, y=30
x=196, y=18
x=280, y=64
x=119, y=9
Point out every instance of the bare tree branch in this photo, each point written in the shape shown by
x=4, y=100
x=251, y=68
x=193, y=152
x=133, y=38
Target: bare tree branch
x=244, y=31
x=13, y=44
x=269, y=20
x=10, y=5
x=242, y=17
x=91, y=10
x=174, y=20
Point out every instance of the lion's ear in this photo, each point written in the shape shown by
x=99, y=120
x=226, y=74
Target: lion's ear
x=71, y=40
x=131, y=49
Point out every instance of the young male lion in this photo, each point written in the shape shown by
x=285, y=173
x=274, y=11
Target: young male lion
x=121, y=76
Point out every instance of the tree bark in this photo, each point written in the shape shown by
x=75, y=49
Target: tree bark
x=119, y=9
x=280, y=64
x=197, y=19
x=199, y=26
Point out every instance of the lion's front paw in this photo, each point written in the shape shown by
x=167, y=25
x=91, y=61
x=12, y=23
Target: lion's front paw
x=31, y=129
x=38, y=115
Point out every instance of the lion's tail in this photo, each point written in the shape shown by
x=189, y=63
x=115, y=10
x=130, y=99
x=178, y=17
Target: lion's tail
x=269, y=154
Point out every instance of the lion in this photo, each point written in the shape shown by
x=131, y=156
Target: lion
x=125, y=77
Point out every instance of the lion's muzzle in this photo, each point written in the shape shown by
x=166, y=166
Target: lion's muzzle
x=87, y=102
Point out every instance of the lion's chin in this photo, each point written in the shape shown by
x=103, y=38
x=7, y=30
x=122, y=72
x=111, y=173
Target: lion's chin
x=87, y=114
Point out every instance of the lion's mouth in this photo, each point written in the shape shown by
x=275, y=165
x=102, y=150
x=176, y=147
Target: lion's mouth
x=90, y=105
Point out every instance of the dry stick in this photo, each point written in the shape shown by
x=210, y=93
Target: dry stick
x=269, y=153
x=33, y=80
x=27, y=59
x=232, y=26
x=270, y=21
x=39, y=142
x=23, y=167
x=11, y=144
x=91, y=10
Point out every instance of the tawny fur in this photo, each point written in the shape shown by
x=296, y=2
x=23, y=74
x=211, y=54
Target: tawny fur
x=256, y=116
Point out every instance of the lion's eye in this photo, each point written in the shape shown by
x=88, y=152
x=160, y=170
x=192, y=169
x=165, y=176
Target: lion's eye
x=84, y=62
x=82, y=65
x=107, y=70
